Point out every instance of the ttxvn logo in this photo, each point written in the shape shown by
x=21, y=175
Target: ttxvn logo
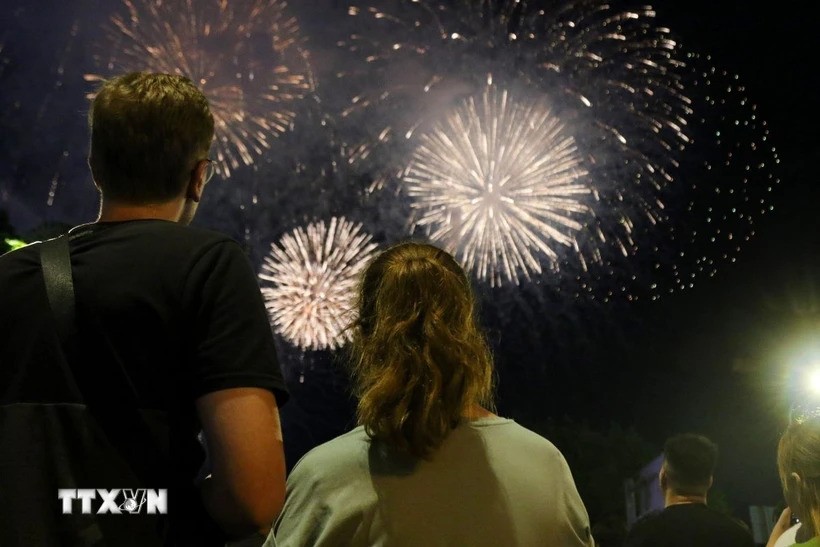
x=115, y=501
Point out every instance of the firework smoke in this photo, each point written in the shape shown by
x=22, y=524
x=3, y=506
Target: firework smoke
x=613, y=82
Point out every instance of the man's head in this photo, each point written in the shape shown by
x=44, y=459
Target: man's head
x=150, y=136
x=688, y=464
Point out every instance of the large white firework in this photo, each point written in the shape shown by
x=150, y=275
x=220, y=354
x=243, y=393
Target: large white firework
x=587, y=116
x=246, y=56
x=653, y=128
x=310, y=278
x=497, y=181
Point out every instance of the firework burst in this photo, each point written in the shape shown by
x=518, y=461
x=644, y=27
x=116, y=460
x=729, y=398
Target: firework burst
x=499, y=179
x=312, y=274
x=246, y=56
x=613, y=85
x=612, y=117
x=728, y=177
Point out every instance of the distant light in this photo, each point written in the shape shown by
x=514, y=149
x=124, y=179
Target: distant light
x=15, y=243
x=814, y=380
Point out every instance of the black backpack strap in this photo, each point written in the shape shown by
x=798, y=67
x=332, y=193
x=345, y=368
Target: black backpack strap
x=56, y=263
x=104, y=387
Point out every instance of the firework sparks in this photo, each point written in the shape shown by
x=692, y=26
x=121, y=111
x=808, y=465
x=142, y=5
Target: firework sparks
x=313, y=273
x=499, y=179
x=591, y=162
x=620, y=93
x=246, y=57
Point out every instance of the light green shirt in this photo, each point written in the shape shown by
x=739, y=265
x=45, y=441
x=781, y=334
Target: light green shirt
x=813, y=542
x=491, y=483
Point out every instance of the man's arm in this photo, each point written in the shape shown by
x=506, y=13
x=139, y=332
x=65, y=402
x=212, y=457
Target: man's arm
x=246, y=488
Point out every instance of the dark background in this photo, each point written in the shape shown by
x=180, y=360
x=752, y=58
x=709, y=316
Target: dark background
x=719, y=359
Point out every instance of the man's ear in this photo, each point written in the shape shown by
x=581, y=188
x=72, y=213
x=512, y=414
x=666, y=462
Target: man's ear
x=662, y=479
x=711, y=481
x=196, y=184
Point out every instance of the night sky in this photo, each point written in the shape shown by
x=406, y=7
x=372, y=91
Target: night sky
x=727, y=351
x=715, y=359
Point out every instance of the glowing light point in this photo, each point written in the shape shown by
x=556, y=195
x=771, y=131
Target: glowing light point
x=813, y=380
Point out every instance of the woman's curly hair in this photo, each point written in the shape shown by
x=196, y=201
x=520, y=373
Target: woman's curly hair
x=420, y=360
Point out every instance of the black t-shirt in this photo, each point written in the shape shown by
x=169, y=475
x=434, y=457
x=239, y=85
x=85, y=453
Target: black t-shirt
x=688, y=525
x=166, y=311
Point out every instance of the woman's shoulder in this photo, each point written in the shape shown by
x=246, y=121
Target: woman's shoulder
x=512, y=434
x=347, y=452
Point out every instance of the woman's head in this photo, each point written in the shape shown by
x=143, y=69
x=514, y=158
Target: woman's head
x=420, y=361
x=798, y=462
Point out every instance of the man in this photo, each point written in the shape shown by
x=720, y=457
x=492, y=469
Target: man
x=685, y=477
x=167, y=389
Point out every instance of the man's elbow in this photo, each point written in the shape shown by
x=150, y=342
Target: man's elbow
x=263, y=513
x=242, y=512
x=258, y=519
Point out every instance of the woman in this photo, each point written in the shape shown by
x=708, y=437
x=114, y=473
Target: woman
x=798, y=463
x=429, y=464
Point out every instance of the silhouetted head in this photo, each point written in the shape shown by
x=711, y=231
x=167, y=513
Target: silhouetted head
x=150, y=137
x=420, y=360
x=689, y=462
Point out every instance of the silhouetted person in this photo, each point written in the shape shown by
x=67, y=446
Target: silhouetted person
x=609, y=531
x=430, y=464
x=685, y=477
x=169, y=337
